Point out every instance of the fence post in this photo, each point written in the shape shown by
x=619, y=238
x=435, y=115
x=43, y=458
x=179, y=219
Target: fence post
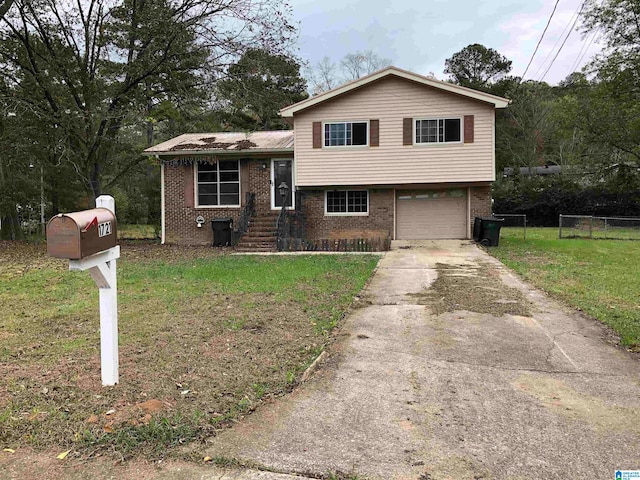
x=591, y=228
x=606, y=227
x=525, y=227
x=560, y=229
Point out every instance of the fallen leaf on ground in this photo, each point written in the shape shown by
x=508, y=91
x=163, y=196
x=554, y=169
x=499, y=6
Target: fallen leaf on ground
x=63, y=455
x=207, y=459
x=9, y=450
x=92, y=419
x=110, y=412
x=151, y=406
x=108, y=428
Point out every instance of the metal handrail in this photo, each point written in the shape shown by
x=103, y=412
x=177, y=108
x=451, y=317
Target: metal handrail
x=283, y=226
x=246, y=214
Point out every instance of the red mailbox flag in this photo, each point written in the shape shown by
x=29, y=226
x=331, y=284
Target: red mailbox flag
x=92, y=223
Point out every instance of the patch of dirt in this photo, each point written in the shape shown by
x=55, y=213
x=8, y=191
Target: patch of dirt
x=17, y=258
x=476, y=288
x=27, y=463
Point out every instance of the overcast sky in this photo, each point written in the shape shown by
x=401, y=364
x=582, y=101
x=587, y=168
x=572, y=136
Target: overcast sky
x=419, y=35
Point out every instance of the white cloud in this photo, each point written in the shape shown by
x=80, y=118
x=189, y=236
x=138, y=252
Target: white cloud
x=524, y=31
x=419, y=35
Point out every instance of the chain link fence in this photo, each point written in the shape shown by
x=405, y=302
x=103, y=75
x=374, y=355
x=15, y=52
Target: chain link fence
x=516, y=220
x=613, y=228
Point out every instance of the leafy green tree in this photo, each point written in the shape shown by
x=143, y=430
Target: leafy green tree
x=523, y=128
x=477, y=66
x=93, y=69
x=258, y=86
x=610, y=114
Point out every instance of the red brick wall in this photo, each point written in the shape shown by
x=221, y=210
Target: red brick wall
x=180, y=214
x=378, y=224
x=180, y=219
x=260, y=183
x=480, y=202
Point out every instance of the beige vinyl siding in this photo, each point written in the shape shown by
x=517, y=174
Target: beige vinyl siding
x=392, y=163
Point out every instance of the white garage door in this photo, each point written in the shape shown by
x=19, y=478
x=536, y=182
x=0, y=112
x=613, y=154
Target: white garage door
x=431, y=214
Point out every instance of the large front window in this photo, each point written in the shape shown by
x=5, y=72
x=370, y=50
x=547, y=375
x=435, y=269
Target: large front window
x=438, y=130
x=347, y=202
x=342, y=134
x=219, y=184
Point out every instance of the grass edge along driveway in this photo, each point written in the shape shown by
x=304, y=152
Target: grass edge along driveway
x=204, y=339
x=599, y=277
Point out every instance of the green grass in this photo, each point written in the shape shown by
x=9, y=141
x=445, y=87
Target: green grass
x=137, y=232
x=599, y=277
x=211, y=336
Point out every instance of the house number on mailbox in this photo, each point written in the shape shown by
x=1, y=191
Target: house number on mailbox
x=104, y=229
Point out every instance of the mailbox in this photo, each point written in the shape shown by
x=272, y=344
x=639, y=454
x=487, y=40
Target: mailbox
x=81, y=234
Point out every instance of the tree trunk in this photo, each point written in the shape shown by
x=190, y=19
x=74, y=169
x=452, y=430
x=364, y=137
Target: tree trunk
x=94, y=182
x=149, y=122
x=11, y=227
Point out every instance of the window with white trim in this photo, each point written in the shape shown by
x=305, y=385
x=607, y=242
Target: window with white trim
x=340, y=134
x=347, y=201
x=437, y=130
x=218, y=184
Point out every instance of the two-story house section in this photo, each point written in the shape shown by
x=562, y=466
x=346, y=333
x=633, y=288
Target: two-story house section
x=393, y=155
x=395, y=152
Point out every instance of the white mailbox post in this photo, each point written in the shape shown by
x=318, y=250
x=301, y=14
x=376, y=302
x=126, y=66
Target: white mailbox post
x=102, y=267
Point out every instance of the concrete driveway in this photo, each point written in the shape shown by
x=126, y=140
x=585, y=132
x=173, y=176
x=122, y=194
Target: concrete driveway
x=451, y=368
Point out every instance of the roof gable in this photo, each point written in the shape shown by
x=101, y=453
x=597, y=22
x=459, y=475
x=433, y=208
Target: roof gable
x=497, y=102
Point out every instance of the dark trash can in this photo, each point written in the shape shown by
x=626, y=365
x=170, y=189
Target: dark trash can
x=477, y=227
x=488, y=230
x=222, y=228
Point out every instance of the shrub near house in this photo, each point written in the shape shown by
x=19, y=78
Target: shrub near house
x=614, y=192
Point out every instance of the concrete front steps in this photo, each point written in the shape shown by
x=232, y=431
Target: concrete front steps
x=261, y=236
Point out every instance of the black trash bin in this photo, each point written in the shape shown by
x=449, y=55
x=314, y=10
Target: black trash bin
x=222, y=228
x=489, y=231
x=477, y=228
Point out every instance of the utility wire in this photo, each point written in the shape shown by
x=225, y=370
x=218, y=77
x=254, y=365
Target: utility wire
x=555, y=45
x=563, y=43
x=540, y=41
x=583, y=51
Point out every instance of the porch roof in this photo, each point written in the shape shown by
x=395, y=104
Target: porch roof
x=225, y=142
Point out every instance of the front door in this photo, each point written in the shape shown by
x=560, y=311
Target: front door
x=281, y=172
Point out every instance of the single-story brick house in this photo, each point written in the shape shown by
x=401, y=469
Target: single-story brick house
x=393, y=155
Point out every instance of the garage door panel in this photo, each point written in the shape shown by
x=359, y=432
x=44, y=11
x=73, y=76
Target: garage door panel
x=421, y=216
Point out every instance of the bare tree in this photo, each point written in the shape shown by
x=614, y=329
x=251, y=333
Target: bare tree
x=361, y=63
x=326, y=74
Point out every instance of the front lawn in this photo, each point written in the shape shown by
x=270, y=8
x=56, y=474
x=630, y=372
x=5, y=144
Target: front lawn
x=204, y=339
x=137, y=232
x=599, y=277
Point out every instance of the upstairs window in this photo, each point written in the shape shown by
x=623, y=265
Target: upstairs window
x=219, y=184
x=438, y=130
x=347, y=202
x=342, y=134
